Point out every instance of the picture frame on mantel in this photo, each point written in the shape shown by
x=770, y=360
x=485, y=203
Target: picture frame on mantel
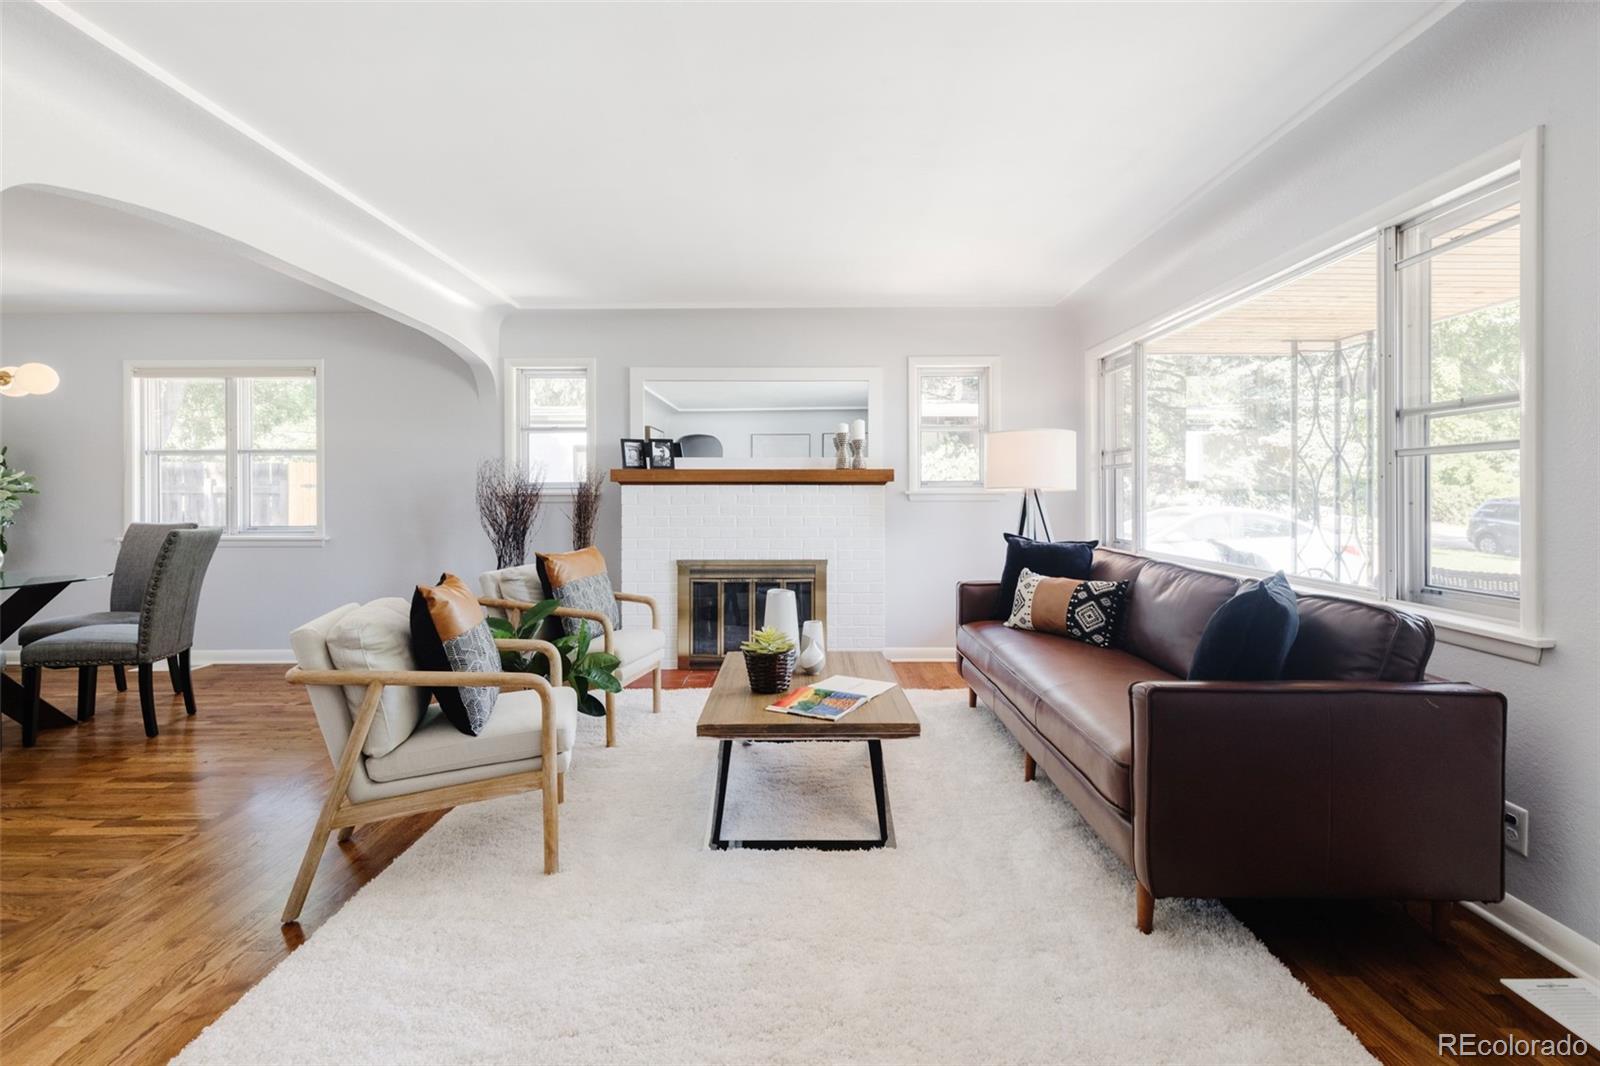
x=661, y=453
x=635, y=454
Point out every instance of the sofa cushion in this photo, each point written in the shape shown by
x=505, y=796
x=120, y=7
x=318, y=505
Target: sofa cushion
x=1076, y=695
x=1066, y=558
x=1345, y=640
x=513, y=734
x=1249, y=637
x=1067, y=607
x=1168, y=609
x=377, y=636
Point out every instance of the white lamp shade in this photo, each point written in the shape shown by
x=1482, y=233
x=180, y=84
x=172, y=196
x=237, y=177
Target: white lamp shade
x=1043, y=459
x=30, y=379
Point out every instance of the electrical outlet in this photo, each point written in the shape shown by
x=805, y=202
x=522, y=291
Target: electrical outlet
x=1516, y=828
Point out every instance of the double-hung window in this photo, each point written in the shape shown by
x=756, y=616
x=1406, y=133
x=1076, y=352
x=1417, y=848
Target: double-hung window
x=235, y=447
x=1459, y=368
x=1356, y=421
x=550, y=417
x=952, y=407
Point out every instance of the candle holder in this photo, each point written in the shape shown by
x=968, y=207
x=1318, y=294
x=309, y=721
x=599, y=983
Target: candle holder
x=840, y=459
x=858, y=449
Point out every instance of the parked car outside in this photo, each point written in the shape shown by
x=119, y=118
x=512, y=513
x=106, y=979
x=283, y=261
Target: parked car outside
x=1242, y=536
x=1496, y=527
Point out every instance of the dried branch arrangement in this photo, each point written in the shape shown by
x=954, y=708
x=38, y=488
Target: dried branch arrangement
x=586, y=508
x=508, y=507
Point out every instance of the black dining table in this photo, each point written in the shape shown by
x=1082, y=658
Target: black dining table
x=26, y=595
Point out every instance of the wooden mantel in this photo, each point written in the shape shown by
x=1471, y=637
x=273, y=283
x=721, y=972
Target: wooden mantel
x=726, y=475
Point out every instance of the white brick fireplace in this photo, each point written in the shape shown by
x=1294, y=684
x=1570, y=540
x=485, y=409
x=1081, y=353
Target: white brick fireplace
x=840, y=523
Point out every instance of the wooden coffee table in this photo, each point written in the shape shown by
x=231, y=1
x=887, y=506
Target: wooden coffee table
x=733, y=712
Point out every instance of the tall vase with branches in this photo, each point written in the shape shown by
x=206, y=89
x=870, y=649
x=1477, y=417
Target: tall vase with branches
x=585, y=511
x=509, y=500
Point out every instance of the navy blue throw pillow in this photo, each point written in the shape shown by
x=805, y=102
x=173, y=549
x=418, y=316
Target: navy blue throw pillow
x=1060, y=558
x=1248, y=638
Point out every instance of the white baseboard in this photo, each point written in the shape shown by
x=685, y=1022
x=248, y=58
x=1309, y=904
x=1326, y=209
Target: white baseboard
x=1567, y=948
x=920, y=655
x=226, y=656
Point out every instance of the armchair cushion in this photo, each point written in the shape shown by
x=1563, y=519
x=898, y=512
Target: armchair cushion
x=514, y=583
x=579, y=579
x=513, y=734
x=377, y=636
x=637, y=646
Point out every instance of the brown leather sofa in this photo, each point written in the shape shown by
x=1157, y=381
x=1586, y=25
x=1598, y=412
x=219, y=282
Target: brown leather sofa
x=1356, y=776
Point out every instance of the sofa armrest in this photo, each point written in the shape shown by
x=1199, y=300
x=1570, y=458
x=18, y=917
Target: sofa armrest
x=977, y=601
x=1356, y=789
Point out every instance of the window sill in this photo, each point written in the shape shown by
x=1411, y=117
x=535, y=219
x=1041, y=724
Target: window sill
x=955, y=495
x=269, y=540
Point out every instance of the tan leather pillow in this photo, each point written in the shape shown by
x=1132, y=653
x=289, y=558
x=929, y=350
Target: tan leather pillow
x=1067, y=607
x=448, y=632
x=579, y=579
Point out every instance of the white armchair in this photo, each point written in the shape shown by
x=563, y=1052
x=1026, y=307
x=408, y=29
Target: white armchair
x=526, y=745
x=508, y=592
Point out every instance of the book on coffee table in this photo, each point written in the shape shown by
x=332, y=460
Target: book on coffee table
x=831, y=698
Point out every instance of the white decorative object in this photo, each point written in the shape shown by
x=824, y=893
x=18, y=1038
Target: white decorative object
x=840, y=441
x=812, y=653
x=783, y=614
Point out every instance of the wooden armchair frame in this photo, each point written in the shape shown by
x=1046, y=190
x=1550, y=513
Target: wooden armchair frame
x=514, y=609
x=338, y=812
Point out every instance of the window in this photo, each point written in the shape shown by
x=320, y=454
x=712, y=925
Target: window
x=550, y=418
x=952, y=407
x=1116, y=448
x=1356, y=421
x=236, y=448
x=1459, y=359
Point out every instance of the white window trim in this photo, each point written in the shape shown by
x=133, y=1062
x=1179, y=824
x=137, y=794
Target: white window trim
x=513, y=436
x=1524, y=638
x=915, y=364
x=132, y=467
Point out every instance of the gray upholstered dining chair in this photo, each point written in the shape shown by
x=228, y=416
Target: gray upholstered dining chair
x=141, y=544
x=164, y=629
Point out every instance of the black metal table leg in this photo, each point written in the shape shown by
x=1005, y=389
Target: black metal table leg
x=880, y=795
x=18, y=609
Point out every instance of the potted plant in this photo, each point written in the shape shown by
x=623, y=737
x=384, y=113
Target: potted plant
x=769, y=660
x=585, y=671
x=14, y=484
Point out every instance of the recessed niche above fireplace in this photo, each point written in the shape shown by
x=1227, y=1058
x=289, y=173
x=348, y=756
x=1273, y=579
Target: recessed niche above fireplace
x=721, y=601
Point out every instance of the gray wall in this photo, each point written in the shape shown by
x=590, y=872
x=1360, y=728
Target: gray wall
x=1485, y=75
x=933, y=544
x=406, y=428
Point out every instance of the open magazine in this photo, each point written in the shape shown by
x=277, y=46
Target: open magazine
x=831, y=698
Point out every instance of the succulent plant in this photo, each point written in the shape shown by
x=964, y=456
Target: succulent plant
x=768, y=642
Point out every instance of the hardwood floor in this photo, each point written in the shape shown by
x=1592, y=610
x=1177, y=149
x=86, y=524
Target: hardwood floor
x=141, y=880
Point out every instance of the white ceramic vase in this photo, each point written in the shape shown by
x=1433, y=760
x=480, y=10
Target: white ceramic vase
x=783, y=614
x=812, y=653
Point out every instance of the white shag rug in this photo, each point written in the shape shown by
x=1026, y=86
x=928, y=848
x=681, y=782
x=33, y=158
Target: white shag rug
x=999, y=930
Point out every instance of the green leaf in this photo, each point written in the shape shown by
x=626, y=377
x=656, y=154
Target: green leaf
x=591, y=706
x=583, y=644
x=602, y=660
x=604, y=680
x=501, y=629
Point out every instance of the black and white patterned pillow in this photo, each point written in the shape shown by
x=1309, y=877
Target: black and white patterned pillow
x=1094, y=611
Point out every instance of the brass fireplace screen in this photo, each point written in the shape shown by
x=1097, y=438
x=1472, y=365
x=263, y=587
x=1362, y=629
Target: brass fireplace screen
x=721, y=601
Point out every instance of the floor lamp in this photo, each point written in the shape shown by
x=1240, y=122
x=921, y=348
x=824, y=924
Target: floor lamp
x=1032, y=461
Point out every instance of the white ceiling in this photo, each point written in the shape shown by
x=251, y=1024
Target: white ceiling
x=682, y=155
x=61, y=254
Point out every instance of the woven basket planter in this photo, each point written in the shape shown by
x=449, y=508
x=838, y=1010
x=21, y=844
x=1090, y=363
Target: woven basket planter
x=769, y=672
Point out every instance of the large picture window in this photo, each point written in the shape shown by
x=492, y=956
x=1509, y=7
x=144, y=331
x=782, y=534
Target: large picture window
x=235, y=448
x=1251, y=435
